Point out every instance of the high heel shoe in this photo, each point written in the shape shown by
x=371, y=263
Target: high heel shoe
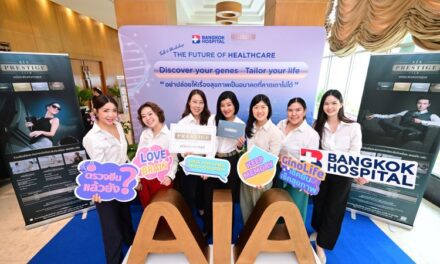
x=313, y=236
x=320, y=252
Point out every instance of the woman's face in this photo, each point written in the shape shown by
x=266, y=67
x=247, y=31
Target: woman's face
x=149, y=117
x=227, y=108
x=196, y=105
x=260, y=111
x=54, y=108
x=332, y=106
x=107, y=114
x=296, y=114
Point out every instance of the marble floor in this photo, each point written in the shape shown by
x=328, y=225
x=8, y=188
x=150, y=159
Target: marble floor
x=420, y=243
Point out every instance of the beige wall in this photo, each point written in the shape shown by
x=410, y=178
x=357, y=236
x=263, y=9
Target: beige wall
x=43, y=26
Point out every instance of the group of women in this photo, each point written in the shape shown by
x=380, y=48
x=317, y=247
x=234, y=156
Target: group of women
x=105, y=142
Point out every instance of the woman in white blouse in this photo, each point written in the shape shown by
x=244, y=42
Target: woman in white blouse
x=337, y=133
x=261, y=132
x=297, y=135
x=196, y=113
x=227, y=149
x=106, y=142
x=155, y=132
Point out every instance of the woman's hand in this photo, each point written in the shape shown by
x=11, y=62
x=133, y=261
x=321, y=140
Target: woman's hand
x=361, y=180
x=29, y=124
x=204, y=177
x=36, y=133
x=259, y=187
x=96, y=198
x=240, y=142
x=167, y=181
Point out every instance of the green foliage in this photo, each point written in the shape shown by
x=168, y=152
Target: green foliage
x=84, y=95
x=126, y=126
x=131, y=150
x=114, y=91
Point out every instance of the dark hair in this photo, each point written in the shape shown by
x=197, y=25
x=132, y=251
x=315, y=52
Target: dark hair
x=251, y=119
x=51, y=103
x=298, y=100
x=94, y=89
x=423, y=98
x=322, y=116
x=223, y=96
x=100, y=100
x=204, y=115
x=156, y=109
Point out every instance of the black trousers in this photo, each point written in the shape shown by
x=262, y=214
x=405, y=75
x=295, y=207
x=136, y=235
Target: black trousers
x=115, y=219
x=211, y=184
x=191, y=188
x=329, y=209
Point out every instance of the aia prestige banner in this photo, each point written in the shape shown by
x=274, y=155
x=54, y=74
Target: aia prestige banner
x=399, y=116
x=164, y=63
x=40, y=133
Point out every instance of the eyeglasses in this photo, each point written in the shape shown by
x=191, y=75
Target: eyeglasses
x=56, y=107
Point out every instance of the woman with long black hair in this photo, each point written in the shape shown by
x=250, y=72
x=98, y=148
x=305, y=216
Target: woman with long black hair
x=337, y=133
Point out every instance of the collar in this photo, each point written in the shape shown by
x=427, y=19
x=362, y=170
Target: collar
x=342, y=123
x=266, y=126
x=422, y=112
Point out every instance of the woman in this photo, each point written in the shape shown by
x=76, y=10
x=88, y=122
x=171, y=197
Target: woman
x=297, y=134
x=45, y=128
x=337, y=133
x=156, y=132
x=260, y=132
x=196, y=113
x=227, y=149
x=106, y=142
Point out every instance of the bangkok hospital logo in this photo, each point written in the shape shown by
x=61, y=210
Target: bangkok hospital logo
x=195, y=39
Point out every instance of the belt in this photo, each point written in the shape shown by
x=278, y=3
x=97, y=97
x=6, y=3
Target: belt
x=225, y=155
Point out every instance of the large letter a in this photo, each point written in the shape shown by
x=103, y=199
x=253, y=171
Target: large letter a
x=184, y=237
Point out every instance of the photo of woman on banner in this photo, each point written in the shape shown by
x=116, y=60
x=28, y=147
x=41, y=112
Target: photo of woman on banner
x=414, y=129
x=43, y=129
x=260, y=132
x=106, y=142
x=37, y=120
x=227, y=149
x=337, y=133
x=155, y=132
x=196, y=113
x=297, y=134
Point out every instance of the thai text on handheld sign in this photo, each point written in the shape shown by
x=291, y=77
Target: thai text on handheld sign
x=301, y=175
x=210, y=167
x=153, y=162
x=257, y=167
x=110, y=181
x=400, y=173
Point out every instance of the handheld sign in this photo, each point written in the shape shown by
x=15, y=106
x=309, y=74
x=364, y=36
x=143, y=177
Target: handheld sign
x=153, y=163
x=257, y=167
x=110, y=181
x=400, y=173
x=229, y=129
x=192, y=139
x=215, y=168
x=304, y=176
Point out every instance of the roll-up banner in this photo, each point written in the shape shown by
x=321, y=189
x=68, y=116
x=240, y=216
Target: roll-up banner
x=164, y=63
x=399, y=115
x=41, y=133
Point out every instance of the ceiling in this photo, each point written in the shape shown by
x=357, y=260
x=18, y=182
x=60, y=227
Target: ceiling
x=189, y=12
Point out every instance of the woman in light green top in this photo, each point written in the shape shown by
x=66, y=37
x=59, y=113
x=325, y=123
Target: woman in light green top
x=297, y=134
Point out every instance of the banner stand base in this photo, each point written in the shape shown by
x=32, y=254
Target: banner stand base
x=55, y=219
x=386, y=221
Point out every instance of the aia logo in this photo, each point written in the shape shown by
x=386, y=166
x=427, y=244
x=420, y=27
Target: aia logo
x=311, y=156
x=196, y=39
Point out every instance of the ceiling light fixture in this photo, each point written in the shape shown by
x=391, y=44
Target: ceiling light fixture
x=228, y=11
